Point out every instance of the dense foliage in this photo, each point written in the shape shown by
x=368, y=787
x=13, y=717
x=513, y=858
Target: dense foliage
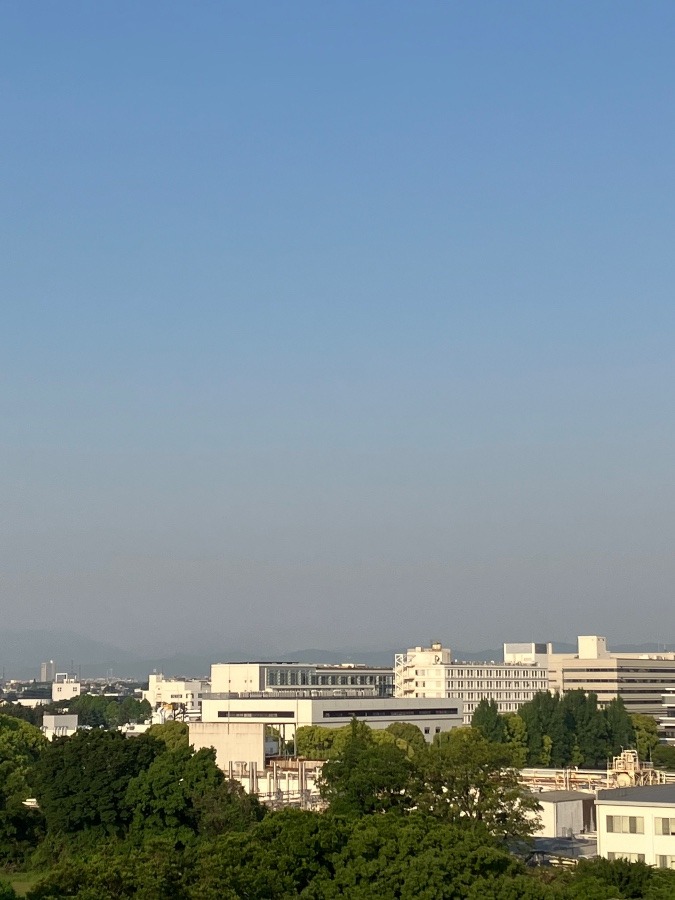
x=571, y=730
x=151, y=819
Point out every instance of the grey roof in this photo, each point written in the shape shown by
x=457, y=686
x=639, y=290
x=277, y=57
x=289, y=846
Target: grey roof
x=561, y=796
x=651, y=793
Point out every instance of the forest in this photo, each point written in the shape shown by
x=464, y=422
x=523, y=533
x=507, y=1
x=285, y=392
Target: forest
x=149, y=818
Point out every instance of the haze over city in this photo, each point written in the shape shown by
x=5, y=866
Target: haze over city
x=337, y=325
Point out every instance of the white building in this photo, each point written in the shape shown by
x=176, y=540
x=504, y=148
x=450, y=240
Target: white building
x=171, y=696
x=64, y=687
x=290, y=711
x=565, y=814
x=316, y=679
x=431, y=672
x=59, y=726
x=638, y=824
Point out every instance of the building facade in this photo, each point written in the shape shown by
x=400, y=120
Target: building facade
x=637, y=824
x=64, y=687
x=288, y=710
x=430, y=672
x=169, y=697
x=316, y=679
x=640, y=679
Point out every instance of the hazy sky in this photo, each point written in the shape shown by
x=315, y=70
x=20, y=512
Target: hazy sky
x=337, y=324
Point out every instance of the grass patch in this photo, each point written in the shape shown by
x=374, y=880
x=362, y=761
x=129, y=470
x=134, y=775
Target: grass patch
x=22, y=882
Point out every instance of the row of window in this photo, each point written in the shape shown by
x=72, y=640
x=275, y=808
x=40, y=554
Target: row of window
x=636, y=825
x=629, y=857
x=335, y=713
x=309, y=678
x=625, y=824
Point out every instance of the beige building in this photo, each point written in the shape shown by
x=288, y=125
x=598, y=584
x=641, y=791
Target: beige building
x=169, y=695
x=64, y=687
x=640, y=679
x=431, y=672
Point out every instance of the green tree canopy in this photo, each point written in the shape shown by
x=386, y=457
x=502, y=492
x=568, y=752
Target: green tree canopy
x=81, y=781
x=467, y=780
x=488, y=721
x=365, y=776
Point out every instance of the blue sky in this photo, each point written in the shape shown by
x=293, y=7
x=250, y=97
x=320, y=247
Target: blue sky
x=337, y=324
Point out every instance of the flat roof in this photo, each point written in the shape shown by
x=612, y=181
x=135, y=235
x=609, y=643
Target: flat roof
x=651, y=793
x=561, y=796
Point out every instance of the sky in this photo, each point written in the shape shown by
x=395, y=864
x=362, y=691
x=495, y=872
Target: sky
x=337, y=324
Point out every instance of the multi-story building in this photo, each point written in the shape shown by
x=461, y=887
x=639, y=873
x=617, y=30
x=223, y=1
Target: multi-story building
x=431, y=672
x=315, y=679
x=289, y=710
x=667, y=718
x=640, y=679
x=64, y=687
x=47, y=671
x=175, y=696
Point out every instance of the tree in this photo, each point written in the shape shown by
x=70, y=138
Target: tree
x=365, y=777
x=586, y=726
x=646, y=735
x=173, y=735
x=620, y=731
x=410, y=734
x=663, y=756
x=314, y=741
x=20, y=747
x=488, y=721
x=184, y=793
x=81, y=781
x=467, y=780
x=515, y=738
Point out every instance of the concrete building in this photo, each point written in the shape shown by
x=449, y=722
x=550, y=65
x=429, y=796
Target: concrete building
x=59, y=726
x=315, y=679
x=638, y=824
x=531, y=654
x=667, y=718
x=565, y=814
x=288, y=711
x=65, y=687
x=47, y=671
x=640, y=679
x=169, y=697
x=430, y=672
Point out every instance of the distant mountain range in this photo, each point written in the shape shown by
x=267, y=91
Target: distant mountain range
x=22, y=651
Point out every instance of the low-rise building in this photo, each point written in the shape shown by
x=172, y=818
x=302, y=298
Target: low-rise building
x=637, y=824
x=59, y=725
x=565, y=814
x=64, y=687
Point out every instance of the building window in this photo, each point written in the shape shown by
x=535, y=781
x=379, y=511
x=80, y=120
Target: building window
x=665, y=862
x=664, y=826
x=625, y=824
x=629, y=857
x=427, y=730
